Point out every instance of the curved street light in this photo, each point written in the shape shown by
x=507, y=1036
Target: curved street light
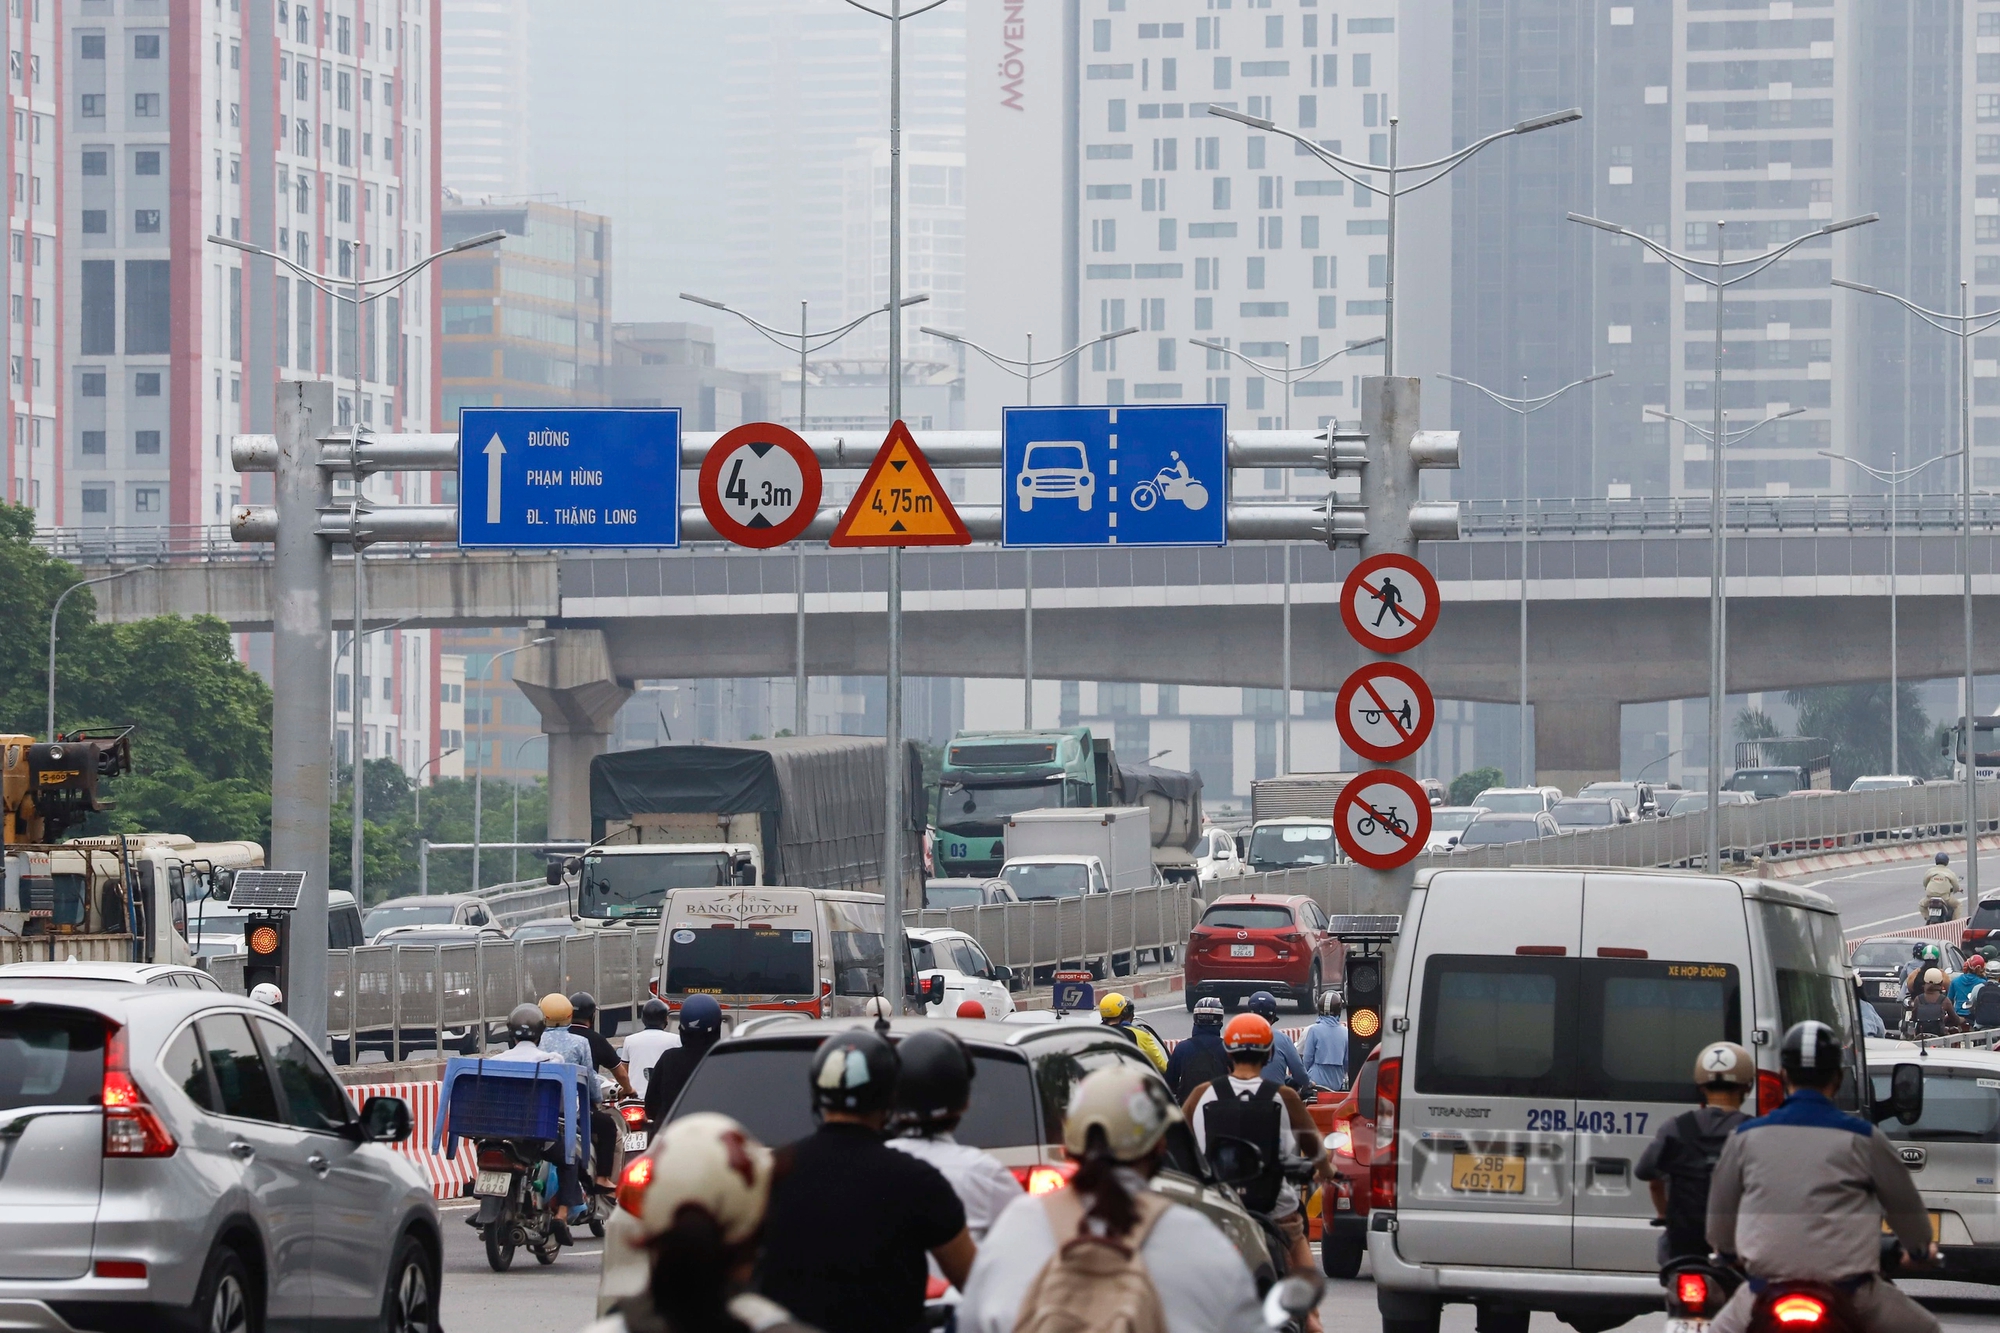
x=479, y=745
x=56, y=611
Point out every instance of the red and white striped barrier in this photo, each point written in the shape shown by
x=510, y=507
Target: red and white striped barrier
x=448, y=1178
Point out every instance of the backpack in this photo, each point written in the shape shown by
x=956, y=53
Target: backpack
x=1984, y=1007
x=1205, y=1062
x=1255, y=1117
x=1928, y=1017
x=1093, y=1284
x=1688, y=1174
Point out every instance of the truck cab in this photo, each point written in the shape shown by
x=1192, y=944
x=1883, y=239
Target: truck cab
x=112, y=896
x=989, y=776
x=628, y=885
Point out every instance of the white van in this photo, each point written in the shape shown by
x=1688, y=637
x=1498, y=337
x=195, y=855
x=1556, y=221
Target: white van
x=1541, y=1024
x=815, y=951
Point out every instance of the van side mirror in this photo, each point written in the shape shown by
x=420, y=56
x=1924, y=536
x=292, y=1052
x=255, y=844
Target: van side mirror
x=555, y=873
x=932, y=988
x=1906, y=1095
x=225, y=879
x=1236, y=1161
x=744, y=870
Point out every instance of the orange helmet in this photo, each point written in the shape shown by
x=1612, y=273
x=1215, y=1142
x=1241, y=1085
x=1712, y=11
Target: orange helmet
x=1247, y=1034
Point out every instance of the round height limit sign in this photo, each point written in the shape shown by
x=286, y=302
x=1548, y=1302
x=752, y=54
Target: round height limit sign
x=760, y=485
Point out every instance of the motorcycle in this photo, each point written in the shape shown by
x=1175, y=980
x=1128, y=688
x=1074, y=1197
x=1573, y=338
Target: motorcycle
x=1804, y=1306
x=516, y=1189
x=632, y=1140
x=1169, y=484
x=1237, y=1162
x=1937, y=908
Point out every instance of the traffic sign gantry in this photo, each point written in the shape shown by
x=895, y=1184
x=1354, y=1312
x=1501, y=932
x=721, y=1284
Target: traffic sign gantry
x=1115, y=476
x=544, y=477
x=900, y=502
x=759, y=485
x=1382, y=818
x=1389, y=603
x=1385, y=712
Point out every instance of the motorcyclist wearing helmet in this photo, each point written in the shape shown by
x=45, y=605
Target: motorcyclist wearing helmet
x=1325, y=1053
x=701, y=1028
x=524, y=1029
x=1118, y=1013
x=1941, y=881
x=1116, y=1130
x=603, y=1055
x=1928, y=1013
x=1201, y=1057
x=1923, y=957
x=1801, y=1192
x=560, y=1040
x=851, y=1220
x=932, y=1092
x=644, y=1048
x=1679, y=1162
x=1253, y=1106
x=1966, y=982
x=1285, y=1065
x=700, y=1196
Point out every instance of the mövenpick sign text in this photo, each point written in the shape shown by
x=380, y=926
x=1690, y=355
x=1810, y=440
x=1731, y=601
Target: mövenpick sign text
x=1013, y=70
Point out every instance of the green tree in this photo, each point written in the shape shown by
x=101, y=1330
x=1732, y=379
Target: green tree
x=1754, y=724
x=1855, y=719
x=1468, y=785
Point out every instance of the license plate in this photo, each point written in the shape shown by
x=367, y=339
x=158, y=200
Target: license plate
x=1489, y=1173
x=1687, y=1326
x=1887, y=990
x=635, y=1141
x=1242, y=951
x=493, y=1182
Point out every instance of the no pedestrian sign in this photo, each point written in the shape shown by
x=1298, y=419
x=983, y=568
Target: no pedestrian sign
x=1385, y=712
x=901, y=502
x=760, y=485
x=1389, y=603
x=1382, y=818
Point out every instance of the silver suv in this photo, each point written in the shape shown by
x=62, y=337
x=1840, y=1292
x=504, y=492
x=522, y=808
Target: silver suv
x=172, y=1157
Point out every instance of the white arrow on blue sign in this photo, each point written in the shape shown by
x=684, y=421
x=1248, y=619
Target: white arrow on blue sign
x=546, y=477
x=1116, y=476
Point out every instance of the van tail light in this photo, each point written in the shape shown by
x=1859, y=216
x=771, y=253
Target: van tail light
x=1799, y=1310
x=1341, y=1141
x=1770, y=1092
x=1382, y=1168
x=632, y=1185
x=1046, y=1178
x=130, y=1127
x=1691, y=1293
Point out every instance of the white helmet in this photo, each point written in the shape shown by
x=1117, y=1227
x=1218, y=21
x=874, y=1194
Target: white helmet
x=705, y=1161
x=1724, y=1064
x=1933, y=976
x=265, y=992
x=1131, y=1106
x=877, y=1007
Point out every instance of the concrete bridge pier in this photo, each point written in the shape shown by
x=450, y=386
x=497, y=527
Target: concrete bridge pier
x=571, y=683
x=1576, y=741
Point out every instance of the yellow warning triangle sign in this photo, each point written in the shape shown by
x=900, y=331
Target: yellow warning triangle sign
x=901, y=502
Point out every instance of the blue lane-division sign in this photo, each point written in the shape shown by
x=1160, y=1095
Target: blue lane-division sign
x=542, y=477
x=1115, y=476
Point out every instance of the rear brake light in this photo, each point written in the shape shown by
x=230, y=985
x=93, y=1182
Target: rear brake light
x=122, y=1268
x=493, y=1159
x=1291, y=937
x=1382, y=1168
x=130, y=1127
x=633, y=1115
x=1770, y=1092
x=935, y=1288
x=1541, y=950
x=1613, y=951
x=1045, y=1179
x=1799, y=1310
x=632, y=1185
x=1691, y=1291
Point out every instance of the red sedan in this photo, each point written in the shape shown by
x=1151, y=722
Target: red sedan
x=1250, y=942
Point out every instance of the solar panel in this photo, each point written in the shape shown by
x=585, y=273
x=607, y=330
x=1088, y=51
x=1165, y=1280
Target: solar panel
x=1354, y=927
x=267, y=890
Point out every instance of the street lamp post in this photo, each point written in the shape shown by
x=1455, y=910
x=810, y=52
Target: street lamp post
x=514, y=852
x=479, y=747
x=417, y=783
x=1288, y=375
x=354, y=717
x=806, y=340
x=56, y=611
x=1027, y=370
x=1723, y=274
x=1523, y=407
x=1964, y=326
x=1893, y=477
x=326, y=285
x=1361, y=174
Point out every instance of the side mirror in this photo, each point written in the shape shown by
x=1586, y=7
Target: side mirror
x=1906, y=1095
x=555, y=873
x=744, y=871
x=571, y=866
x=385, y=1120
x=1236, y=1161
x=1004, y=975
x=225, y=879
x=932, y=988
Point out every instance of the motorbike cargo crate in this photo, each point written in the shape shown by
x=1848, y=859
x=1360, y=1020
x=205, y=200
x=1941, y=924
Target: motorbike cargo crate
x=507, y=1099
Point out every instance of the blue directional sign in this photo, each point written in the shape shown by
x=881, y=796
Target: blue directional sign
x=544, y=476
x=1115, y=476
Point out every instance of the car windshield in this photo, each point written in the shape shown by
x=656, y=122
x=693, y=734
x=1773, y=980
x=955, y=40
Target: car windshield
x=553, y=931
x=1878, y=784
x=1450, y=821
x=390, y=915
x=1246, y=916
x=1512, y=802
x=1882, y=953
x=1688, y=802
x=1612, y=791
x=1960, y=1106
x=1284, y=846
x=50, y=1057
x=1582, y=814
x=1763, y=783
x=615, y=887
x=963, y=809
x=953, y=895
x=1483, y=831
x=1067, y=457
x=730, y=960
x=1047, y=881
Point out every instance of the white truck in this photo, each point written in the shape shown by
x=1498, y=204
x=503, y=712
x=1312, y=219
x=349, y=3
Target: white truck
x=111, y=898
x=1067, y=853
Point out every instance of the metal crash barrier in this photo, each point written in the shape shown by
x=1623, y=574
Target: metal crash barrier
x=1100, y=927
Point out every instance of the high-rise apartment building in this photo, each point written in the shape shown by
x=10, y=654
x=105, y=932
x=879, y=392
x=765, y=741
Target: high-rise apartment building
x=483, y=78
x=33, y=461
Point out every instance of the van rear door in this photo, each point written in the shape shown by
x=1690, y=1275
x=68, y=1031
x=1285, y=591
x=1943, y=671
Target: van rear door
x=1665, y=971
x=1487, y=1097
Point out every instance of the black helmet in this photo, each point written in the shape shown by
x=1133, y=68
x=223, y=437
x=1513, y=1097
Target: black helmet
x=525, y=1023
x=1264, y=1005
x=935, y=1082
x=854, y=1071
x=1942, y=859
x=584, y=1005
x=654, y=1013
x=1810, y=1052
x=701, y=1016
x=1208, y=1012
